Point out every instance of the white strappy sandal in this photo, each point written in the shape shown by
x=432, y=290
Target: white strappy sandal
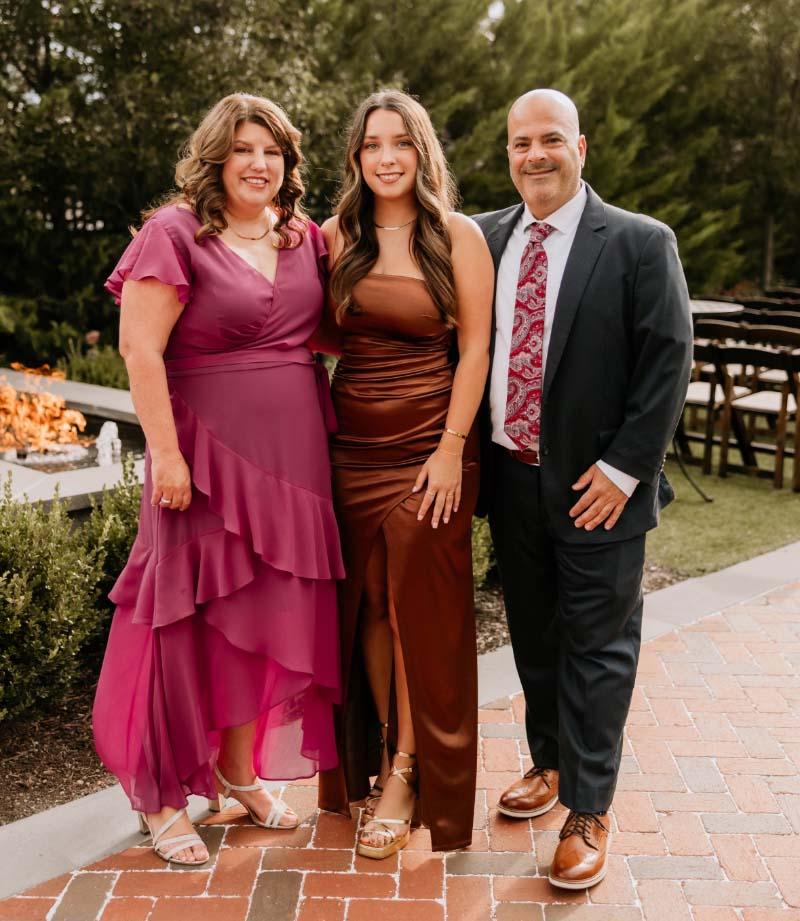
x=166, y=848
x=276, y=813
x=393, y=839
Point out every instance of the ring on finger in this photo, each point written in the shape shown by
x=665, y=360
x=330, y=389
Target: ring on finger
x=164, y=501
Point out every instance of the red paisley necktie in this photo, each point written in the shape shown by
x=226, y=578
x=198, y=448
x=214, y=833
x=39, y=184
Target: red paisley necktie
x=524, y=399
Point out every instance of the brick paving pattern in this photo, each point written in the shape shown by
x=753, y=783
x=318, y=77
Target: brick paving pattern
x=706, y=819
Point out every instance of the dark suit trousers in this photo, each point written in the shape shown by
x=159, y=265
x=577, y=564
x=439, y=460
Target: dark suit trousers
x=575, y=615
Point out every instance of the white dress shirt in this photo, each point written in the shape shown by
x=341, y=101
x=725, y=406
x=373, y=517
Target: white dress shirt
x=557, y=247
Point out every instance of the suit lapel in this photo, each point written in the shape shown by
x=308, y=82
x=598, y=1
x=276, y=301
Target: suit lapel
x=497, y=238
x=586, y=247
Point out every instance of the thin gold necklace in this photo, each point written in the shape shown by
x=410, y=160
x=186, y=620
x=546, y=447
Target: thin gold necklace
x=399, y=226
x=245, y=237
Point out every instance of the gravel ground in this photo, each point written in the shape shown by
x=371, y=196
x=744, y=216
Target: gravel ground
x=52, y=760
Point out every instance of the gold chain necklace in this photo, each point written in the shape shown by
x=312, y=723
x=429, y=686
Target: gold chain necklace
x=399, y=226
x=245, y=237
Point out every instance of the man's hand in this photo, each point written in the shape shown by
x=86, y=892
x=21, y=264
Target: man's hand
x=602, y=501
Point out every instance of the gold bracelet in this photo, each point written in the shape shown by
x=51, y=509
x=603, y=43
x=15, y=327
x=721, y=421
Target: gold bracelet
x=457, y=434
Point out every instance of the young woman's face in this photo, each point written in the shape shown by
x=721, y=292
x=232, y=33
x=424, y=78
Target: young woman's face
x=253, y=173
x=388, y=156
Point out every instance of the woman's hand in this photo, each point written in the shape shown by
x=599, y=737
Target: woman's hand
x=172, y=482
x=442, y=470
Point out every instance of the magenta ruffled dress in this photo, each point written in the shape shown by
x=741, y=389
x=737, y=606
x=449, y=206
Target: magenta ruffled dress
x=226, y=613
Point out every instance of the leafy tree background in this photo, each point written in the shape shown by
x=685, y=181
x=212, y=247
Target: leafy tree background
x=691, y=109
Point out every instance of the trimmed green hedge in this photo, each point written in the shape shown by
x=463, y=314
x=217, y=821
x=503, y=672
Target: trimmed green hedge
x=482, y=551
x=96, y=364
x=48, y=593
x=54, y=578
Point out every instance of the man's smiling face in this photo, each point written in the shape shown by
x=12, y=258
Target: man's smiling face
x=546, y=152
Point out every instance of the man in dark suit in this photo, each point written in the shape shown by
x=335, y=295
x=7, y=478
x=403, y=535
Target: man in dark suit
x=591, y=351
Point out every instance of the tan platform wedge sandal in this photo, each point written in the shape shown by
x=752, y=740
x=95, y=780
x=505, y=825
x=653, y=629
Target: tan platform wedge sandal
x=394, y=838
x=276, y=813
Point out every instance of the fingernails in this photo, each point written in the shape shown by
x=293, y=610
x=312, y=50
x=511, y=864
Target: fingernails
x=445, y=520
x=436, y=524
x=415, y=489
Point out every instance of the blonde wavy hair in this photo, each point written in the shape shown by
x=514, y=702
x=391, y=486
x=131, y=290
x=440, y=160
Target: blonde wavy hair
x=436, y=198
x=198, y=174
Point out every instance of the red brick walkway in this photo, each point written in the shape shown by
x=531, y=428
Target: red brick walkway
x=706, y=818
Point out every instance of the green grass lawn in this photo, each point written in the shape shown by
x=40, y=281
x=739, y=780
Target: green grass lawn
x=747, y=517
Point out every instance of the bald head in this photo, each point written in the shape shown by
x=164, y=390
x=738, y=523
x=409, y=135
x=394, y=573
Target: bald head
x=555, y=98
x=546, y=150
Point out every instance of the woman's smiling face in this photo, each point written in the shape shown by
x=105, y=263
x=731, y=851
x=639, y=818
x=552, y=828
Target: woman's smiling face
x=388, y=156
x=253, y=173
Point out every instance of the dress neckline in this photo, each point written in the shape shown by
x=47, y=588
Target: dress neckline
x=390, y=275
x=270, y=281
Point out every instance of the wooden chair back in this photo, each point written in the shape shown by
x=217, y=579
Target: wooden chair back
x=771, y=318
x=777, y=336
x=723, y=331
x=717, y=329
x=762, y=303
x=758, y=356
x=765, y=358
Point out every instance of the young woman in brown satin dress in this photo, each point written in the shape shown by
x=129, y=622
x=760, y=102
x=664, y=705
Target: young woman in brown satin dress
x=411, y=291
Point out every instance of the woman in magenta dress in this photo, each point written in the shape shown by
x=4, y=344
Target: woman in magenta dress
x=222, y=662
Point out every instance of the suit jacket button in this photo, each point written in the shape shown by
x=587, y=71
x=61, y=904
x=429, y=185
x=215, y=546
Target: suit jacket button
x=545, y=451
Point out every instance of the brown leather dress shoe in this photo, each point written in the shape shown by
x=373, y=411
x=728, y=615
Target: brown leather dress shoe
x=581, y=858
x=534, y=794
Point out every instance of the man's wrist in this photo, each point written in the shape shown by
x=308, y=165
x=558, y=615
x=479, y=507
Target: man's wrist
x=623, y=481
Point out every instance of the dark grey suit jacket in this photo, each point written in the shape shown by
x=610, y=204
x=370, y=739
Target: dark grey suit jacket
x=617, y=364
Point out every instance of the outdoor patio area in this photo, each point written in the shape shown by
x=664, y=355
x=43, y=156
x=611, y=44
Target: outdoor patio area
x=706, y=819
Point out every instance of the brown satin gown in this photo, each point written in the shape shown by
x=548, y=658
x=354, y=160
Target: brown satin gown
x=392, y=390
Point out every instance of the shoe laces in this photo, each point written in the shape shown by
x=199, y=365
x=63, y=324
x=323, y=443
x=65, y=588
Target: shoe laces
x=582, y=823
x=540, y=773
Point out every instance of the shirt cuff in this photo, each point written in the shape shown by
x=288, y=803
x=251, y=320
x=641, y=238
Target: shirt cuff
x=624, y=481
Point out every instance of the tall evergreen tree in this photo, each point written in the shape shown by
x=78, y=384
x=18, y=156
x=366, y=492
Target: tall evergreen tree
x=761, y=115
x=438, y=52
x=630, y=69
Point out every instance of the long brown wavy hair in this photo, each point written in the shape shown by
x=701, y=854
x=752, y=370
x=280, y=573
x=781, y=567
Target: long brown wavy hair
x=436, y=196
x=198, y=174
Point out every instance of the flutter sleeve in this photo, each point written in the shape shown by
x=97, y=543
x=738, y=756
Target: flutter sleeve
x=153, y=253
